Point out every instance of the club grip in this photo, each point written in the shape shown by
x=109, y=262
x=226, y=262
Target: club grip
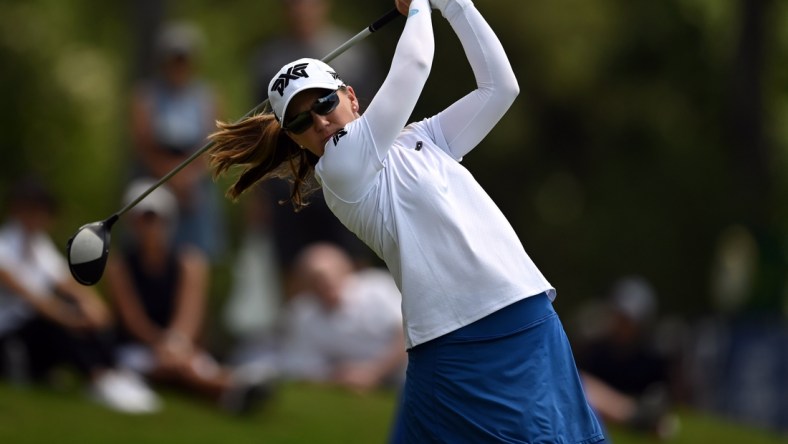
x=383, y=21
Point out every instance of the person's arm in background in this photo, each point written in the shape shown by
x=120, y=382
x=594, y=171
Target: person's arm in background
x=87, y=301
x=190, y=297
x=48, y=305
x=174, y=345
x=127, y=303
x=173, y=350
x=366, y=375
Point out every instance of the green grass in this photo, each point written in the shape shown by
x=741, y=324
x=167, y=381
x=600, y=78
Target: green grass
x=299, y=414
x=697, y=428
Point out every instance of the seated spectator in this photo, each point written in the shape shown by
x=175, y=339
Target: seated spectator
x=625, y=378
x=343, y=326
x=46, y=317
x=159, y=290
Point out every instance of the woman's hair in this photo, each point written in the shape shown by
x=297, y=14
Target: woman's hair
x=261, y=149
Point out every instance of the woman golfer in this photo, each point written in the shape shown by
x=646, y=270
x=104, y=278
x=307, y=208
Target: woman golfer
x=488, y=358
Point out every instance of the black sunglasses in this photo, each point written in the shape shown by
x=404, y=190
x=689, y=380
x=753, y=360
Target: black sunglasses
x=303, y=120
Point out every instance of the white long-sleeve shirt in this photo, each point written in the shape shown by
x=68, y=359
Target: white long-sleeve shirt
x=35, y=263
x=361, y=328
x=453, y=254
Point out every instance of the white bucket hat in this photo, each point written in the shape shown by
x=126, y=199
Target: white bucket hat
x=298, y=76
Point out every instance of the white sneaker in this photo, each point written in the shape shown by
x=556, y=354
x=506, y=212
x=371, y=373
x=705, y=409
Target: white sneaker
x=124, y=393
x=136, y=384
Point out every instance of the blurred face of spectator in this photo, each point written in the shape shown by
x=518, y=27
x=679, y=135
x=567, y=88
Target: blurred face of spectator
x=178, y=69
x=33, y=216
x=151, y=230
x=305, y=17
x=177, y=49
x=325, y=271
x=32, y=205
x=153, y=220
x=625, y=330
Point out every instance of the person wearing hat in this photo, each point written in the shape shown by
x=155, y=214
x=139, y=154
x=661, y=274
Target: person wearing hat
x=159, y=290
x=488, y=359
x=172, y=114
x=628, y=379
x=47, y=319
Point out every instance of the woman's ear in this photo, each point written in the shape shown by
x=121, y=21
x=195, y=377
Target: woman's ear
x=351, y=95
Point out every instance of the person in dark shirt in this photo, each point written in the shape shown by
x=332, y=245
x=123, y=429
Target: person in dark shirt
x=159, y=291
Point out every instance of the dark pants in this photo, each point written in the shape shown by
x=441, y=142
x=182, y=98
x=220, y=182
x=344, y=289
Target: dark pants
x=45, y=345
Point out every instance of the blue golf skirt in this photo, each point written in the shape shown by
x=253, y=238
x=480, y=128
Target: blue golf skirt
x=509, y=377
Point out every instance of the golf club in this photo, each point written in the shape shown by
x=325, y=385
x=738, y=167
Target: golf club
x=88, y=249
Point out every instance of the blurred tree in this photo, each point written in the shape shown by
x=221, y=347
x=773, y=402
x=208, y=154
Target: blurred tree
x=749, y=147
x=148, y=16
x=62, y=72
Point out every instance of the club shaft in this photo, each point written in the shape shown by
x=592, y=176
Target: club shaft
x=379, y=23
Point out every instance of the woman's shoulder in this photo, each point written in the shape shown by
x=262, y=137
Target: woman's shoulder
x=355, y=136
x=350, y=162
x=423, y=128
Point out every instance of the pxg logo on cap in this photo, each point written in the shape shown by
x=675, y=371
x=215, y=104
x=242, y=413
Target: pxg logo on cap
x=298, y=76
x=292, y=73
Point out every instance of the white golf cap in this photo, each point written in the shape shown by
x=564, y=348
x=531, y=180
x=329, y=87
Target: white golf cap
x=634, y=297
x=160, y=201
x=179, y=39
x=298, y=76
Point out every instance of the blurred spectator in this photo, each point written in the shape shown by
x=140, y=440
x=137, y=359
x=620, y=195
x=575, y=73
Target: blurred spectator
x=273, y=233
x=159, y=289
x=626, y=377
x=345, y=327
x=172, y=114
x=46, y=317
x=309, y=32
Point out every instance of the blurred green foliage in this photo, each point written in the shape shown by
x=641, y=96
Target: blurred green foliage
x=643, y=129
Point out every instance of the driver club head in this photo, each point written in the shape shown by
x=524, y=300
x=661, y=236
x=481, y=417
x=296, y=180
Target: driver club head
x=87, y=251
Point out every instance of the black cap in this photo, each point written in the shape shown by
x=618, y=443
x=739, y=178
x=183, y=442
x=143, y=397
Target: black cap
x=31, y=190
